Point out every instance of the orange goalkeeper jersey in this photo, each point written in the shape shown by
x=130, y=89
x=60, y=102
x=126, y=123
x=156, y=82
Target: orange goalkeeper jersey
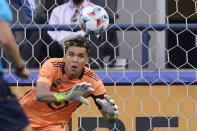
x=43, y=114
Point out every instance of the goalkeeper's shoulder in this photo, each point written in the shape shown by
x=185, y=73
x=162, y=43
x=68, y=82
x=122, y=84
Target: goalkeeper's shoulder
x=53, y=62
x=91, y=74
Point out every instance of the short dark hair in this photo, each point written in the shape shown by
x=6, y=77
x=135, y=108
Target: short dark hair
x=79, y=41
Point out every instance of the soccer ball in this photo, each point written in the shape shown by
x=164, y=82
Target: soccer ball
x=93, y=19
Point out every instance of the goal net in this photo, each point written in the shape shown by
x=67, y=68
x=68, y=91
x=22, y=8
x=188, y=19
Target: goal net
x=146, y=59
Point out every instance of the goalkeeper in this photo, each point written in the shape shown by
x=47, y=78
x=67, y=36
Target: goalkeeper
x=62, y=86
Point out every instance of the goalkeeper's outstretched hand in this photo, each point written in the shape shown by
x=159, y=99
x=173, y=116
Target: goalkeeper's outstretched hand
x=109, y=108
x=77, y=92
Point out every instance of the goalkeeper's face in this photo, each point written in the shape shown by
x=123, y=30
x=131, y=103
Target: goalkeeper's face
x=75, y=59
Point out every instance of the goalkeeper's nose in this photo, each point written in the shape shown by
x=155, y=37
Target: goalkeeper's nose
x=75, y=58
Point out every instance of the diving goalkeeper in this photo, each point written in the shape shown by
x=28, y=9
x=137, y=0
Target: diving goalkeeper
x=62, y=86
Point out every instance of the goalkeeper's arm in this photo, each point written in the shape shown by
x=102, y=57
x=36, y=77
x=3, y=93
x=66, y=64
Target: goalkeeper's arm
x=108, y=108
x=43, y=93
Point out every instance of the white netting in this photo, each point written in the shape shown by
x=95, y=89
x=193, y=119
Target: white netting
x=167, y=54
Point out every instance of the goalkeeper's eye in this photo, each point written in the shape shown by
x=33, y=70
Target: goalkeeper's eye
x=71, y=54
x=81, y=55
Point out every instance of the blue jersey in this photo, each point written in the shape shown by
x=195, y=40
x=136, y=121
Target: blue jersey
x=5, y=12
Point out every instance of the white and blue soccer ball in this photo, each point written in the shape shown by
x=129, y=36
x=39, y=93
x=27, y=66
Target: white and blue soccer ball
x=94, y=19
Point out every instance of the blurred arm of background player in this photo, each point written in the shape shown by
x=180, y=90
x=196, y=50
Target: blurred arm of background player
x=10, y=49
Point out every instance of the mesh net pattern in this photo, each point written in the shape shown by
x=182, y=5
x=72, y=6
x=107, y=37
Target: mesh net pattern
x=145, y=36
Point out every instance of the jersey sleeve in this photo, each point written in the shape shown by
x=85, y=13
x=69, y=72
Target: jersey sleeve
x=99, y=92
x=99, y=88
x=5, y=12
x=47, y=72
x=97, y=84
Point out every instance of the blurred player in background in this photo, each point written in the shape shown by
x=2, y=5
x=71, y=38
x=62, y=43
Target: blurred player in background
x=12, y=117
x=62, y=86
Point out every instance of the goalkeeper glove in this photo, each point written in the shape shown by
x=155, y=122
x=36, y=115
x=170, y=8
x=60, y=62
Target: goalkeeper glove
x=76, y=93
x=109, y=108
